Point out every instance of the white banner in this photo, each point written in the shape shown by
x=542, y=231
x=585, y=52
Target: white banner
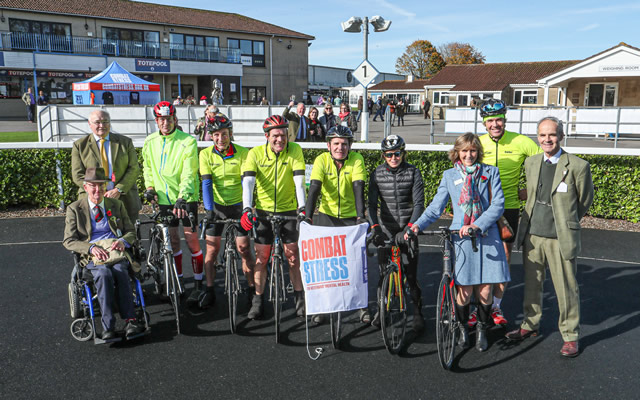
x=333, y=263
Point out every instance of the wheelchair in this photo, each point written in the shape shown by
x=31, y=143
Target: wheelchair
x=84, y=306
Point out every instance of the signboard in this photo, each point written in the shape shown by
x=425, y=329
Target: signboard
x=153, y=65
x=619, y=68
x=333, y=264
x=247, y=61
x=365, y=73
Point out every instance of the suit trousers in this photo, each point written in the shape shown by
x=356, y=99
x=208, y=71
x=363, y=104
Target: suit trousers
x=106, y=279
x=538, y=253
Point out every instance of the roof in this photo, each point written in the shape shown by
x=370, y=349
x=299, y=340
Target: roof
x=417, y=84
x=126, y=10
x=496, y=76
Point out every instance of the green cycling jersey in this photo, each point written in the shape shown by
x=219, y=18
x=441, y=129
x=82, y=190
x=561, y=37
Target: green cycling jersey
x=508, y=154
x=224, y=172
x=171, y=166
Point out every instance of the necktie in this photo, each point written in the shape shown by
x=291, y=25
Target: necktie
x=99, y=214
x=547, y=161
x=302, y=135
x=103, y=156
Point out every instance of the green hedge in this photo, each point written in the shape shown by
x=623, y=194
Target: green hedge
x=28, y=178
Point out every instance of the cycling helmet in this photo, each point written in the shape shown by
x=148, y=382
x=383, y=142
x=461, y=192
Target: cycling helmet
x=164, y=109
x=492, y=107
x=339, y=132
x=392, y=142
x=218, y=122
x=274, y=121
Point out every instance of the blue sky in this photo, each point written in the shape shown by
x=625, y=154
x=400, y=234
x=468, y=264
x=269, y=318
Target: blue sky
x=504, y=31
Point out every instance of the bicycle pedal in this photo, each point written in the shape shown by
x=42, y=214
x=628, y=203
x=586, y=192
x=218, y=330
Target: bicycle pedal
x=290, y=288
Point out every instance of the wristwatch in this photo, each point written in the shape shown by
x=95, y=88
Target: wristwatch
x=119, y=190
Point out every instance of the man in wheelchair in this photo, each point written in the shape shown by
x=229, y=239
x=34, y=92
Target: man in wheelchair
x=99, y=229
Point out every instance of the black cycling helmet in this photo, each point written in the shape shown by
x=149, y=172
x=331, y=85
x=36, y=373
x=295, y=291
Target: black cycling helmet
x=340, y=132
x=274, y=121
x=492, y=107
x=220, y=121
x=392, y=142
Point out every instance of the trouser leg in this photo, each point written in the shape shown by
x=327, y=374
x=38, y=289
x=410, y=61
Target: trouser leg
x=563, y=274
x=534, y=276
x=120, y=273
x=104, y=283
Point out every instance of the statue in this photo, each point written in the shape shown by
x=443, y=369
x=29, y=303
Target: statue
x=216, y=93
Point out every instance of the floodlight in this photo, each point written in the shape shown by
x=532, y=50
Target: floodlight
x=352, y=25
x=380, y=24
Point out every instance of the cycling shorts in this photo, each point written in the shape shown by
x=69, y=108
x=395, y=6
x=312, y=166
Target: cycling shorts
x=322, y=219
x=264, y=230
x=226, y=212
x=192, y=207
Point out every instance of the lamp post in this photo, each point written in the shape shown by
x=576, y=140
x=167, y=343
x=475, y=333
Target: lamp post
x=355, y=25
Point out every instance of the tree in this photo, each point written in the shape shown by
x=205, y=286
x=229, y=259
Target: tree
x=460, y=53
x=421, y=59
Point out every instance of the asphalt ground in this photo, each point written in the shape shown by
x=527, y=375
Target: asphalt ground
x=40, y=359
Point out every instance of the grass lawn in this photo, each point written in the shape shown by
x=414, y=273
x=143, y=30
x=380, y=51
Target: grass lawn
x=18, y=137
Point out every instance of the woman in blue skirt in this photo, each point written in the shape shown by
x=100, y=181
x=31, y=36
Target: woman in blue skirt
x=477, y=199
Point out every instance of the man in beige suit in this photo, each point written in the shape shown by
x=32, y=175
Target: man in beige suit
x=298, y=130
x=119, y=160
x=559, y=194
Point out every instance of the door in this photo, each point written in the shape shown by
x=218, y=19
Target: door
x=601, y=95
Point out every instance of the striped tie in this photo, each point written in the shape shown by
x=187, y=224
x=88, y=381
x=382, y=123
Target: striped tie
x=99, y=214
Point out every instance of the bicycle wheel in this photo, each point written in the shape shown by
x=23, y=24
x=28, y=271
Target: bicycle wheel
x=393, y=312
x=446, y=327
x=231, y=285
x=174, y=295
x=335, y=320
x=276, y=295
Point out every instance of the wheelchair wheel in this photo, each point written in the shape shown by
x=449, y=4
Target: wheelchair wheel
x=74, y=301
x=82, y=329
x=446, y=326
x=393, y=312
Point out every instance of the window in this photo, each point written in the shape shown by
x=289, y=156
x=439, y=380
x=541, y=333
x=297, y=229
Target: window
x=463, y=100
x=190, y=47
x=251, y=51
x=441, y=98
x=253, y=95
x=130, y=42
x=601, y=95
x=525, y=96
x=36, y=35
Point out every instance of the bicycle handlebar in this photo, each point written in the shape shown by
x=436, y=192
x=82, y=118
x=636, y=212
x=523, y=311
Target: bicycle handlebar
x=446, y=232
x=206, y=223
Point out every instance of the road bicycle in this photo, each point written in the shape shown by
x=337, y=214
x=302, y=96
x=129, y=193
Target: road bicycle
x=277, y=289
x=393, y=294
x=161, y=266
x=230, y=261
x=447, y=325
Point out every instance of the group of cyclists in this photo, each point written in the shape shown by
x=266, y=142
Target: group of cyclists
x=238, y=183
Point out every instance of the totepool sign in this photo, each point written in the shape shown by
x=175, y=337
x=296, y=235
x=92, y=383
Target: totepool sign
x=153, y=65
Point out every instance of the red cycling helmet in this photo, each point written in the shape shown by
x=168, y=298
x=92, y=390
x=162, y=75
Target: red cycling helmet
x=274, y=121
x=164, y=109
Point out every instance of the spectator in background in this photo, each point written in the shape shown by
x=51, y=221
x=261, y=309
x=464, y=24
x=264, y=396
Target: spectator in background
x=360, y=106
x=316, y=130
x=337, y=101
x=203, y=100
x=298, y=123
x=400, y=109
x=379, y=110
x=43, y=100
x=328, y=119
x=264, y=102
x=347, y=118
x=392, y=111
x=177, y=101
x=426, y=105
x=370, y=105
x=30, y=101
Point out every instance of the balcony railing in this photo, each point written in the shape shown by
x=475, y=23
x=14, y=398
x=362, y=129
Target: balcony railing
x=19, y=41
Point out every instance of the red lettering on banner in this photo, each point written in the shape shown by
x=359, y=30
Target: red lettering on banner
x=337, y=250
x=344, y=246
x=319, y=247
x=328, y=248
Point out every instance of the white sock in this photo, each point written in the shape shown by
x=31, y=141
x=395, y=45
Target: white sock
x=496, y=302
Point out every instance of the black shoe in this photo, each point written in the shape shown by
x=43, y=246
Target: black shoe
x=195, y=294
x=133, y=328
x=463, y=340
x=418, y=322
x=256, y=307
x=481, y=337
x=300, y=305
x=207, y=298
x=108, y=335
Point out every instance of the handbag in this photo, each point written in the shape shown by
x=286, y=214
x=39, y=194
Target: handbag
x=115, y=256
x=504, y=229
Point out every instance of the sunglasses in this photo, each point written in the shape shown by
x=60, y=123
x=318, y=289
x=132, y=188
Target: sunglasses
x=398, y=154
x=493, y=107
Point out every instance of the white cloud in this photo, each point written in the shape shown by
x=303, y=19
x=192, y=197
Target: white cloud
x=588, y=27
x=396, y=9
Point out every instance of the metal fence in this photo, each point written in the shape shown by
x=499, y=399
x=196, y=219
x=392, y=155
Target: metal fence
x=615, y=123
x=46, y=43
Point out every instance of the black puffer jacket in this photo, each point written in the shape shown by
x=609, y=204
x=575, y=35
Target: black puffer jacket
x=400, y=195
